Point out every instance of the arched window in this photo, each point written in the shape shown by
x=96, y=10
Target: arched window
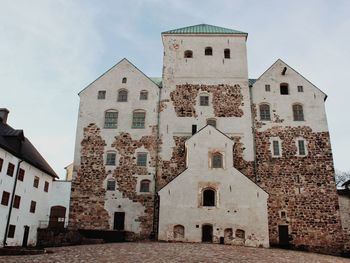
x=188, y=54
x=208, y=198
x=124, y=80
x=111, y=184
x=144, y=186
x=211, y=122
x=227, y=53
x=111, y=119
x=122, y=95
x=138, y=119
x=179, y=231
x=208, y=51
x=284, y=89
x=217, y=161
x=265, y=112
x=144, y=95
x=298, y=113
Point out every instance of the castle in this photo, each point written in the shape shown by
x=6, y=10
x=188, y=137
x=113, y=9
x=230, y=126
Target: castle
x=205, y=154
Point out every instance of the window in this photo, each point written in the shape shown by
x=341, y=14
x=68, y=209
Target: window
x=265, y=112
x=267, y=88
x=46, y=186
x=11, y=233
x=240, y=233
x=301, y=147
x=141, y=159
x=10, y=169
x=21, y=174
x=300, y=89
x=122, y=95
x=208, y=197
x=1, y=163
x=32, y=207
x=227, y=53
x=276, y=148
x=204, y=100
x=5, y=198
x=101, y=95
x=208, y=51
x=110, y=185
x=217, y=160
x=17, y=201
x=144, y=95
x=124, y=80
x=179, y=231
x=188, y=54
x=284, y=89
x=111, y=119
x=144, y=185
x=194, y=129
x=110, y=159
x=298, y=112
x=138, y=119
x=211, y=122
x=36, y=182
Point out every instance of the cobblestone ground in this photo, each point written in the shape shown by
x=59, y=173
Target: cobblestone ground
x=171, y=252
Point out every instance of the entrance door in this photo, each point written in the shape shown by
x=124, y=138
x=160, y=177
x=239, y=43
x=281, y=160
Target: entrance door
x=207, y=233
x=25, y=236
x=57, y=216
x=119, y=219
x=283, y=236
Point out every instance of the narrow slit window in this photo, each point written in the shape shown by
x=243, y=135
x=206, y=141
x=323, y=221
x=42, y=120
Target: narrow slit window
x=276, y=148
x=227, y=53
x=301, y=146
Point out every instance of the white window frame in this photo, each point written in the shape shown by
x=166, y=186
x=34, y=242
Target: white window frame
x=305, y=147
x=272, y=139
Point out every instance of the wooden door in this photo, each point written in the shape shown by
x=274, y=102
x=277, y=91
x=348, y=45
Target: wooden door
x=119, y=220
x=207, y=233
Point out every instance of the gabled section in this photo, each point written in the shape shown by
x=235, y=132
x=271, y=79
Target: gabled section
x=204, y=29
x=124, y=60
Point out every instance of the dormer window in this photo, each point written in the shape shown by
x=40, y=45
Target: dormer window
x=208, y=51
x=188, y=54
x=227, y=53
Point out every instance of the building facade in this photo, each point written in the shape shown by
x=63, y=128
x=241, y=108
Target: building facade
x=139, y=158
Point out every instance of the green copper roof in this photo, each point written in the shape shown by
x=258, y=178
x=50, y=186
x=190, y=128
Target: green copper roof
x=157, y=81
x=203, y=29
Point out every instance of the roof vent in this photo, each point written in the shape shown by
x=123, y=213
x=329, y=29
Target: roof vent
x=3, y=115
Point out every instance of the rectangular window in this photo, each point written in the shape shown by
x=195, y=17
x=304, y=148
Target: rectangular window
x=111, y=119
x=101, y=95
x=301, y=146
x=194, y=129
x=17, y=201
x=267, y=88
x=5, y=198
x=300, y=89
x=141, y=159
x=138, y=120
x=1, y=163
x=11, y=232
x=36, y=182
x=110, y=159
x=110, y=185
x=204, y=101
x=143, y=95
x=20, y=174
x=10, y=169
x=32, y=207
x=46, y=186
x=276, y=148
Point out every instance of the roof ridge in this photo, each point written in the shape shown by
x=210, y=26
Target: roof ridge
x=203, y=29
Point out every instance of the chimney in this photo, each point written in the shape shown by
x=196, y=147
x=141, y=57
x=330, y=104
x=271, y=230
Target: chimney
x=3, y=115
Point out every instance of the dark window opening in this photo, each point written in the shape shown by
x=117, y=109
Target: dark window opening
x=11, y=232
x=227, y=53
x=1, y=163
x=110, y=185
x=101, y=95
x=10, y=169
x=17, y=202
x=36, y=182
x=301, y=146
x=124, y=80
x=21, y=174
x=208, y=197
x=240, y=233
x=5, y=198
x=144, y=186
x=284, y=89
x=267, y=88
x=46, y=186
x=276, y=148
x=194, y=129
x=300, y=89
x=188, y=54
x=208, y=51
x=217, y=160
x=32, y=207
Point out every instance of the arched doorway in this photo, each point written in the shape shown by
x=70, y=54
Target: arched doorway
x=207, y=233
x=57, y=216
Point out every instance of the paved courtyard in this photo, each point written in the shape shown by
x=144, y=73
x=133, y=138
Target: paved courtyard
x=171, y=252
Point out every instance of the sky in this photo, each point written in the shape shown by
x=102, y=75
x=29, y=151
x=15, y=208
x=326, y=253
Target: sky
x=50, y=50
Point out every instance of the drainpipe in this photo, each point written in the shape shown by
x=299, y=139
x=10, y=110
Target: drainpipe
x=257, y=179
x=11, y=203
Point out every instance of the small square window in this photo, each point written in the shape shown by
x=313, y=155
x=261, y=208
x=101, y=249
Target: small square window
x=276, y=148
x=11, y=232
x=204, y=101
x=300, y=89
x=32, y=207
x=21, y=175
x=110, y=185
x=36, y=182
x=10, y=169
x=110, y=160
x=17, y=202
x=46, y=186
x=143, y=95
x=5, y=198
x=1, y=163
x=101, y=95
x=142, y=159
x=267, y=88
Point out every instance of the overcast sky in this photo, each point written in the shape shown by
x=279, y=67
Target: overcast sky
x=50, y=50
